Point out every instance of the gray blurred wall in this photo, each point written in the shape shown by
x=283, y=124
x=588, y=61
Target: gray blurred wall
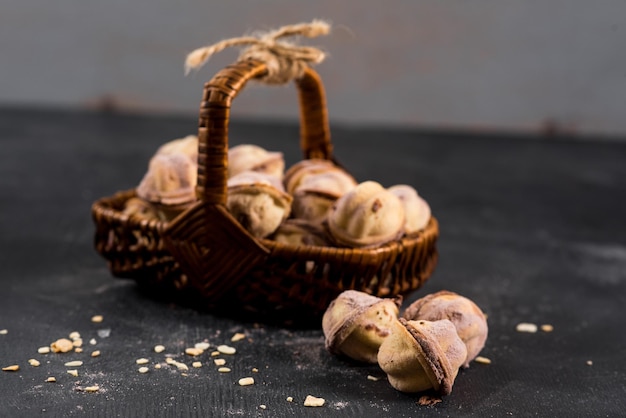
x=539, y=66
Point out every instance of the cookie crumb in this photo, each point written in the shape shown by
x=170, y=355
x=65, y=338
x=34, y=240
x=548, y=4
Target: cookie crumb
x=197, y=364
x=246, y=381
x=193, y=351
x=482, y=360
x=180, y=366
x=289, y=399
x=97, y=319
x=428, y=400
x=202, y=346
x=62, y=345
x=313, y=401
x=225, y=349
x=526, y=327
x=74, y=335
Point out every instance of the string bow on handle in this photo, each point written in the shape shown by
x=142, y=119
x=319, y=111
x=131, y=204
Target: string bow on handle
x=285, y=61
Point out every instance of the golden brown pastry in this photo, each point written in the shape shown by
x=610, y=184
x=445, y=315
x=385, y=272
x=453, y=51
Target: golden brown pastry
x=416, y=209
x=469, y=320
x=368, y=215
x=248, y=157
x=422, y=355
x=355, y=324
x=257, y=202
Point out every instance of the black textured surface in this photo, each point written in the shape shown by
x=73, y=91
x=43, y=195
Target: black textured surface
x=531, y=230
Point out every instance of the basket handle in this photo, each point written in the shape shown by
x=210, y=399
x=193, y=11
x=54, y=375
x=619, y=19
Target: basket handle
x=215, y=114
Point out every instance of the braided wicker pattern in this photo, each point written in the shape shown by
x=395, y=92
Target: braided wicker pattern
x=134, y=248
x=207, y=253
x=311, y=277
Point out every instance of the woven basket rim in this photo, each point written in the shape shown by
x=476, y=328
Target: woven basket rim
x=105, y=207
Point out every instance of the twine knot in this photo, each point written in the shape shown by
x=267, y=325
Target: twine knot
x=285, y=61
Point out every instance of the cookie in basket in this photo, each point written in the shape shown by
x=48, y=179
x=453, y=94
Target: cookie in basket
x=367, y=216
x=315, y=185
x=247, y=157
x=258, y=202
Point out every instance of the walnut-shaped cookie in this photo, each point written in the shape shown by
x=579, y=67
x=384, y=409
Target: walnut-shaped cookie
x=258, y=202
x=355, y=324
x=247, y=157
x=467, y=317
x=170, y=180
x=422, y=355
x=300, y=171
x=417, y=210
x=316, y=193
x=366, y=216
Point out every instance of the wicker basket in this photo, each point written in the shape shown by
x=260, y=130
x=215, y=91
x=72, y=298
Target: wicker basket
x=207, y=257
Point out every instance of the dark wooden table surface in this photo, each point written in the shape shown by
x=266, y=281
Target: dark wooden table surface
x=533, y=230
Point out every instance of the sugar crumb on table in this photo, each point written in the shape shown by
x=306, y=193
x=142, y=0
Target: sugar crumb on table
x=225, y=349
x=314, y=401
x=246, y=381
x=526, y=327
